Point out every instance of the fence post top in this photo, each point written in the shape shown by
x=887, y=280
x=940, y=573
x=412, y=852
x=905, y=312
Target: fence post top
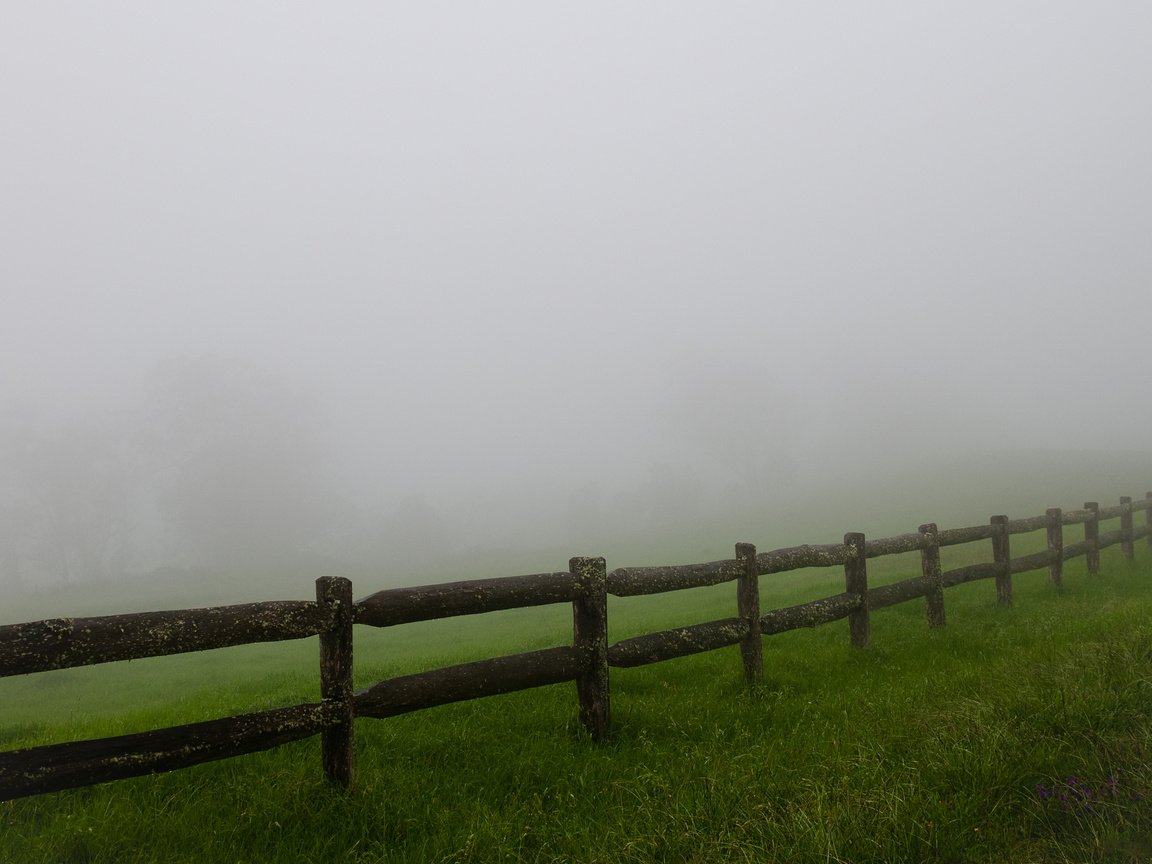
x=333, y=580
x=590, y=573
x=998, y=520
x=928, y=528
x=582, y=562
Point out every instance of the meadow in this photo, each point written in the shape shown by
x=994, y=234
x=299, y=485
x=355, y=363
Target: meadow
x=1020, y=734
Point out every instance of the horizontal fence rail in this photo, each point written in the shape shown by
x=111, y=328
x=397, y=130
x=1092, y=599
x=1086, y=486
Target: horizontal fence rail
x=404, y=605
x=61, y=643
x=894, y=545
x=681, y=642
x=469, y=681
x=811, y=614
x=55, y=767
x=634, y=581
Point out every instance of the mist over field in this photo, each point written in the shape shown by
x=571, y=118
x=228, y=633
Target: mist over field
x=412, y=293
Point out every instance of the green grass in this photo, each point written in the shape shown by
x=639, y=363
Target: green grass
x=928, y=747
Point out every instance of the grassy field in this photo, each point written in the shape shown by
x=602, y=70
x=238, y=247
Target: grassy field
x=1019, y=735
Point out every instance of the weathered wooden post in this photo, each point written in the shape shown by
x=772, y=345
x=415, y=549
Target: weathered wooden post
x=1056, y=546
x=930, y=568
x=335, y=593
x=1148, y=516
x=1092, y=538
x=856, y=582
x=1126, y=527
x=590, y=635
x=1001, y=554
x=748, y=603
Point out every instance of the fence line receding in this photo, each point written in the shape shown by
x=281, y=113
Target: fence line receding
x=61, y=643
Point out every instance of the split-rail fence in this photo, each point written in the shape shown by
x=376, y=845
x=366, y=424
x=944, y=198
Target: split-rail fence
x=68, y=642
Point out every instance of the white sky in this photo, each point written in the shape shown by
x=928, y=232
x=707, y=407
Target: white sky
x=523, y=237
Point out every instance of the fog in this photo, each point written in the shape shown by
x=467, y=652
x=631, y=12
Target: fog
x=414, y=291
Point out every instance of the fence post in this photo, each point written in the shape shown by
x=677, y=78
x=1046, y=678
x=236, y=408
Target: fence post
x=1126, y=527
x=1092, y=538
x=1148, y=517
x=590, y=635
x=335, y=592
x=1002, y=555
x=856, y=582
x=748, y=603
x=1056, y=546
x=930, y=568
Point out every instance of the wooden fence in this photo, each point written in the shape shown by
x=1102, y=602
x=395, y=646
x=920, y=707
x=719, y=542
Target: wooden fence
x=68, y=642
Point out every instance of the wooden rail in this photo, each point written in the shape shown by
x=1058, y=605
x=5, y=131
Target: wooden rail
x=60, y=643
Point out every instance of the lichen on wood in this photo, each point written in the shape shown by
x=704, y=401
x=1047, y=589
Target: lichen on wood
x=335, y=594
x=469, y=681
x=893, y=545
x=748, y=605
x=807, y=555
x=61, y=643
x=810, y=614
x=881, y=596
x=428, y=602
x=1002, y=555
x=680, y=642
x=955, y=536
x=933, y=577
x=635, y=581
x=856, y=586
x=590, y=641
x=1077, y=517
x=1028, y=525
